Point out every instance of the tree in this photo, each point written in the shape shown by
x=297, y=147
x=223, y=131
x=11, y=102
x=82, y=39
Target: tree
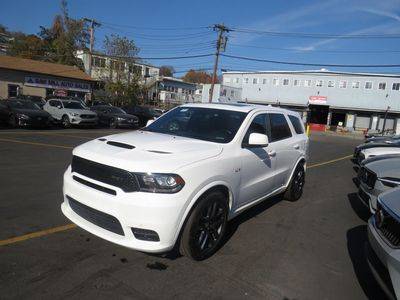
x=27, y=46
x=194, y=76
x=116, y=45
x=167, y=71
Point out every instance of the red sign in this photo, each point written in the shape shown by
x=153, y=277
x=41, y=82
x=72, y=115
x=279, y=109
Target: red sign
x=60, y=93
x=317, y=99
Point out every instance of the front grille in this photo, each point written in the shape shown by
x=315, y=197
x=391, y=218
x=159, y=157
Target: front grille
x=388, y=227
x=103, y=173
x=368, y=177
x=363, y=196
x=88, y=116
x=96, y=217
x=94, y=186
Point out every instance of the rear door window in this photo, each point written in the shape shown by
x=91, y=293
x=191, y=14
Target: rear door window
x=298, y=127
x=279, y=127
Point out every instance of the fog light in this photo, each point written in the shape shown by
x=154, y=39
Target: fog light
x=145, y=234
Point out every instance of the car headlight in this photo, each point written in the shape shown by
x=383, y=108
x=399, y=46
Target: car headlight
x=74, y=114
x=390, y=181
x=23, y=116
x=159, y=183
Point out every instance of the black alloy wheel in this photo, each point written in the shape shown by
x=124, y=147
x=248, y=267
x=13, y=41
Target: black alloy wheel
x=12, y=121
x=296, y=186
x=65, y=122
x=206, y=226
x=113, y=123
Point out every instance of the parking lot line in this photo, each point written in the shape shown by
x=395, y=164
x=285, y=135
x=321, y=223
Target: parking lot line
x=35, y=144
x=36, y=234
x=71, y=225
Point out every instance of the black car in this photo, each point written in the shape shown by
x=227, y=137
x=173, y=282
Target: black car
x=144, y=113
x=99, y=102
x=115, y=117
x=23, y=113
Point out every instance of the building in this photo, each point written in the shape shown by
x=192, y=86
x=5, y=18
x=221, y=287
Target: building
x=106, y=67
x=171, y=90
x=19, y=76
x=5, y=41
x=221, y=93
x=354, y=100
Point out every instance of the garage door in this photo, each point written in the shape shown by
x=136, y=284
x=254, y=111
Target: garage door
x=362, y=122
x=389, y=124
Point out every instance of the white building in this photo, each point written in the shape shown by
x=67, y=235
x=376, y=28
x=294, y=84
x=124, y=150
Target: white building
x=356, y=100
x=221, y=93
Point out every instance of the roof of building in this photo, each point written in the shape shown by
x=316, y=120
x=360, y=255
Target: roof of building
x=242, y=107
x=317, y=72
x=41, y=67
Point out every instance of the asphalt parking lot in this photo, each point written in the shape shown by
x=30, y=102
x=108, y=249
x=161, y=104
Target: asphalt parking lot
x=310, y=249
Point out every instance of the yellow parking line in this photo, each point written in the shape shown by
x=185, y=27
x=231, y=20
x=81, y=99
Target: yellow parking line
x=329, y=161
x=70, y=226
x=35, y=144
x=36, y=234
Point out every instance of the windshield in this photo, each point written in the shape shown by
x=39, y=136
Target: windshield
x=115, y=110
x=23, y=105
x=214, y=125
x=73, y=105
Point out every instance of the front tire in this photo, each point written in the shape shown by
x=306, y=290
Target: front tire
x=206, y=226
x=113, y=123
x=65, y=122
x=296, y=186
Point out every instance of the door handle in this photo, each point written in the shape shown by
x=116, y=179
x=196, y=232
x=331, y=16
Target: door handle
x=296, y=147
x=272, y=153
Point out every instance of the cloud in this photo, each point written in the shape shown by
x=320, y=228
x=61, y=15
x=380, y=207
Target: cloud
x=382, y=13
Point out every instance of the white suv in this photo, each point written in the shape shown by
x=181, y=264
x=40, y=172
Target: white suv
x=70, y=112
x=179, y=180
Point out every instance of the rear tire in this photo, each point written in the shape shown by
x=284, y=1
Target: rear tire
x=296, y=186
x=113, y=123
x=65, y=122
x=12, y=121
x=205, y=227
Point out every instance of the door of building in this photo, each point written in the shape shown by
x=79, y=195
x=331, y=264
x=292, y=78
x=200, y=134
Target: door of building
x=318, y=114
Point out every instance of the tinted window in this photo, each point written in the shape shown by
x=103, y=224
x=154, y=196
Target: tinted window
x=296, y=124
x=214, y=125
x=260, y=124
x=279, y=127
x=22, y=105
x=73, y=105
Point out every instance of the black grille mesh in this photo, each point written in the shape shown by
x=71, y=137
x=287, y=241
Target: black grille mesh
x=103, y=173
x=368, y=177
x=390, y=229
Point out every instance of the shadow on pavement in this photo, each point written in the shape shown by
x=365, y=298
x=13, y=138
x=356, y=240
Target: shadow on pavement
x=359, y=208
x=356, y=239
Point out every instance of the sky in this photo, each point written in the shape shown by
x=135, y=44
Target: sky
x=184, y=28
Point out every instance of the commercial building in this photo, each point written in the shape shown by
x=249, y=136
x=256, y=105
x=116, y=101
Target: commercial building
x=19, y=76
x=105, y=67
x=221, y=93
x=354, y=100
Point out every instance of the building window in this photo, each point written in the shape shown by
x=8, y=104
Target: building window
x=232, y=93
x=368, y=85
x=396, y=86
x=342, y=84
x=275, y=81
x=331, y=83
x=264, y=81
x=13, y=90
x=135, y=69
x=318, y=83
x=355, y=85
x=296, y=82
x=98, y=62
x=117, y=65
x=255, y=80
x=382, y=86
x=246, y=80
x=285, y=81
x=237, y=80
x=307, y=83
x=227, y=80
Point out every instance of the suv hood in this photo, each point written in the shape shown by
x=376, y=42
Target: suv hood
x=79, y=111
x=391, y=200
x=152, y=152
x=386, y=168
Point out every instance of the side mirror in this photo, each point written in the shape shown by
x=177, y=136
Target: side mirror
x=258, y=140
x=149, y=122
x=59, y=106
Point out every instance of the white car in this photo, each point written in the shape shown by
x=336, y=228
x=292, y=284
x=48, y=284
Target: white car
x=372, y=152
x=179, y=180
x=70, y=112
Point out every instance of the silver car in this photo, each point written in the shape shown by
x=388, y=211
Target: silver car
x=383, y=249
x=377, y=177
x=70, y=112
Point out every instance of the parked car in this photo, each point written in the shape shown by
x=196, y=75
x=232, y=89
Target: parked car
x=180, y=182
x=360, y=148
x=98, y=102
x=383, y=138
x=144, y=113
x=383, y=247
x=378, y=151
x=115, y=117
x=70, y=112
x=376, y=178
x=379, y=157
x=23, y=113
x=39, y=101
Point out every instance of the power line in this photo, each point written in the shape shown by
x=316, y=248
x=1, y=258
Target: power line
x=310, y=64
x=155, y=28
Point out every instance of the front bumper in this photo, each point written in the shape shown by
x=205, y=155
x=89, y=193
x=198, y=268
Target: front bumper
x=82, y=121
x=384, y=262
x=160, y=213
x=127, y=124
x=34, y=122
x=368, y=197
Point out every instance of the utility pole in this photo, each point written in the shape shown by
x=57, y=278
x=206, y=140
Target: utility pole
x=93, y=23
x=221, y=45
x=384, y=121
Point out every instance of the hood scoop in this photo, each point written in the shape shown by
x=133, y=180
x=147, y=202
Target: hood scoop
x=121, y=145
x=159, y=152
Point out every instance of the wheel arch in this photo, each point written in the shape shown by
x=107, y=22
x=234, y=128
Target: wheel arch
x=300, y=160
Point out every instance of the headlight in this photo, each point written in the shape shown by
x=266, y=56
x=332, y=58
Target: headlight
x=160, y=183
x=22, y=116
x=74, y=114
x=390, y=181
